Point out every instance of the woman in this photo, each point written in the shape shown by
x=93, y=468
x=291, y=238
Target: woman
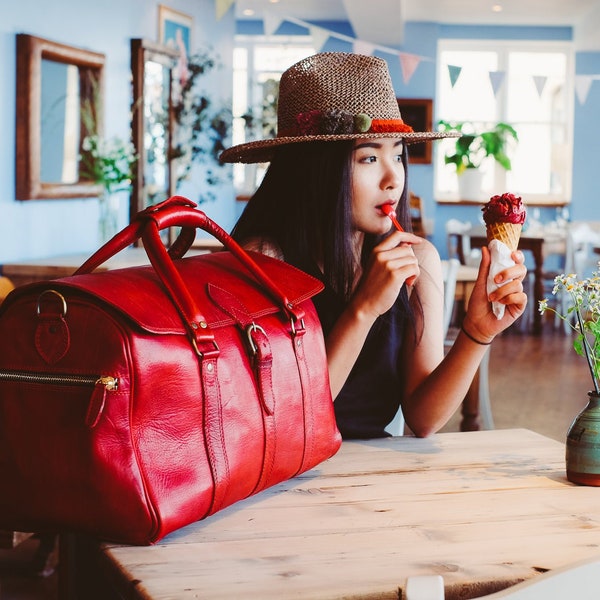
x=339, y=159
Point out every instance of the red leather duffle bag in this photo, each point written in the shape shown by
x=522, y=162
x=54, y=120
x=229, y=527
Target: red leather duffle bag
x=136, y=401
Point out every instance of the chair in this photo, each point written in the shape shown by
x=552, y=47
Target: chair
x=580, y=580
x=581, y=258
x=6, y=286
x=417, y=218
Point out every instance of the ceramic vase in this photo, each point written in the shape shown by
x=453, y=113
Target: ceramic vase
x=583, y=444
x=470, y=184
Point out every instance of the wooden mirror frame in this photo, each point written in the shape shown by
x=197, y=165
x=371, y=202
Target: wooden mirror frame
x=31, y=51
x=143, y=51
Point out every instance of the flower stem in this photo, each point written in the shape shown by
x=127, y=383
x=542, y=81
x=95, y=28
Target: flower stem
x=587, y=351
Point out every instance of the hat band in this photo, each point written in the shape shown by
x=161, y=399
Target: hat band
x=337, y=122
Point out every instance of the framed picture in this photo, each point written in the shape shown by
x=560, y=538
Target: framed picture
x=175, y=29
x=418, y=113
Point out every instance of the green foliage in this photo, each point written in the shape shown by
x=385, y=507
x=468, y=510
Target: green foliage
x=108, y=163
x=585, y=308
x=473, y=147
x=201, y=128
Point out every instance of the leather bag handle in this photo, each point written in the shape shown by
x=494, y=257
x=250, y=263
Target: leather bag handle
x=178, y=211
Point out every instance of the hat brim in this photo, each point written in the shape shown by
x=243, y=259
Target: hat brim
x=262, y=150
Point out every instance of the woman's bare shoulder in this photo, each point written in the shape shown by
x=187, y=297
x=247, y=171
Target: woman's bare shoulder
x=264, y=246
x=427, y=254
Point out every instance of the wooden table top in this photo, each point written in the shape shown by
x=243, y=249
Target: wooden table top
x=54, y=267
x=484, y=509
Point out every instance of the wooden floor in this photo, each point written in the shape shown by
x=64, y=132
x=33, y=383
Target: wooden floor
x=536, y=382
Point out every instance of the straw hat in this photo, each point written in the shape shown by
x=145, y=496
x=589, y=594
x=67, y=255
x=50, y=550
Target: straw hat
x=333, y=96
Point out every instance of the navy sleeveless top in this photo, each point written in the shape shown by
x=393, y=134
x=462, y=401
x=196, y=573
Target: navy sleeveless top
x=371, y=395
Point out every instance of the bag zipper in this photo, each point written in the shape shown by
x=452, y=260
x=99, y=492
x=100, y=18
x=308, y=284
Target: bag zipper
x=111, y=383
x=102, y=385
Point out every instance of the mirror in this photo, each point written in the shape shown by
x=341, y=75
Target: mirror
x=152, y=67
x=59, y=101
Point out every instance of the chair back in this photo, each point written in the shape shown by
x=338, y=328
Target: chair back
x=6, y=286
x=450, y=274
x=583, y=238
x=417, y=218
x=580, y=581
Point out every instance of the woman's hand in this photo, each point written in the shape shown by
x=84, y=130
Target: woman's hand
x=392, y=263
x=480, y=320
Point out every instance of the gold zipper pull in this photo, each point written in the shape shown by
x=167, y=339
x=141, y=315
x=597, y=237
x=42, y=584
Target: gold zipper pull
x=98, y=400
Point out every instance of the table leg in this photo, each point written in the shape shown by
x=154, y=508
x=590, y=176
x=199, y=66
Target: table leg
x=470, y=407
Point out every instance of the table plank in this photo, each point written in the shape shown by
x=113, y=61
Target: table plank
x=484, y=509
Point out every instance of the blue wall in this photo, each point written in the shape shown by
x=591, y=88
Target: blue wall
x=39, y=228
x=586, y=154
x=32, y=229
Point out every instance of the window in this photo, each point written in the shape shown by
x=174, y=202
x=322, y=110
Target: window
x=257, y=67
x=535, y=96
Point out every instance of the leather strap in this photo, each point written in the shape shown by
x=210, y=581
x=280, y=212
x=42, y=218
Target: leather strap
x=213, y=432
x=307, y=396
x=261, y=358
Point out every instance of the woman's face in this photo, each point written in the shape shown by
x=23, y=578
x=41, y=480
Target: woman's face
x=378, y=179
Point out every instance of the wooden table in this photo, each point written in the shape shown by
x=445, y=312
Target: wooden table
x=53, y=267
x=483, y=509
x=532, y=242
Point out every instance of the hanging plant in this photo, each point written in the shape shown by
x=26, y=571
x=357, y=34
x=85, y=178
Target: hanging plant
x=201, y=127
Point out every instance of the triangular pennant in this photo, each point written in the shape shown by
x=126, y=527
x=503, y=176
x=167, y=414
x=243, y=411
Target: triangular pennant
x=496, y=79
x=409, y=64
x=271, y=23
x=361, y=47
x=540, y=83
x=319, y=37
x=222, y=6
x=582, y=87
x=454, y=72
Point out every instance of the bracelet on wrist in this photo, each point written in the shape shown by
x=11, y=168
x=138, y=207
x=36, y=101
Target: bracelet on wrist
x=474, y=339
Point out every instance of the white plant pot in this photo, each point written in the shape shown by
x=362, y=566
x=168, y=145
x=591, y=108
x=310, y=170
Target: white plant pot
x=469, y=185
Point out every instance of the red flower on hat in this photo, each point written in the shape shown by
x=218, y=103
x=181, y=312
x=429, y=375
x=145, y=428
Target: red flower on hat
x=390, y=126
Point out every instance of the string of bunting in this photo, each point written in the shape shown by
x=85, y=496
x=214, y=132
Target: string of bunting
x=408, y=62
x=320, y=35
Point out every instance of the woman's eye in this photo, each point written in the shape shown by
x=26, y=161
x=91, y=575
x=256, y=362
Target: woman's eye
x=368, y=159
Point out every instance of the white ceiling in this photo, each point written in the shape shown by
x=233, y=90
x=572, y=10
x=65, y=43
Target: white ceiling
x=381, y=21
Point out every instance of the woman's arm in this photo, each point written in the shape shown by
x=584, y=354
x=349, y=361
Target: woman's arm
x=435, y=388
x=391, y=264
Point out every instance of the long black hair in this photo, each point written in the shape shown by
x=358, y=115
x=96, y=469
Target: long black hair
x=304, y=206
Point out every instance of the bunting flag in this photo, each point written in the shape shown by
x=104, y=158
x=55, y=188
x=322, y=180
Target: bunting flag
x=221, y=7
x=453, y=72
x=360, y=47
x=271, y=23
x=496, y=79
x=582, y=87
x=540, y=83
x=409, y=64
x=319, y=37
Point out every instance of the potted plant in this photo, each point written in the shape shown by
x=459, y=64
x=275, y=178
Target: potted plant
x=582, y=450
x=473, y=147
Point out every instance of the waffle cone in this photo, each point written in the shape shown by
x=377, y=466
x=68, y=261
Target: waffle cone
x=508, y=233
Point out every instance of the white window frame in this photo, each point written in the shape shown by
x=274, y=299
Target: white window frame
x=503, y=47
x=246, y=177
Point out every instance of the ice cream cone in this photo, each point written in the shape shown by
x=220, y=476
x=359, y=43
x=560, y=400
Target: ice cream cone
x=508, y=233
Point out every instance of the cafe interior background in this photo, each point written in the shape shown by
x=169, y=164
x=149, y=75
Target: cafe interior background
x=30, y=229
